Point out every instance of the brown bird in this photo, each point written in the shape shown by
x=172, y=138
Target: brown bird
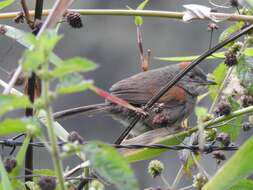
x=172, y=108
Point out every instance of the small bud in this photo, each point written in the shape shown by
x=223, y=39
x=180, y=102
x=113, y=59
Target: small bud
x=246, y=101
x=224, y=138
x=20, y=18
x=223, y=109
x=212, y=26
x=3, y=30
x=74, y=19
x=199, y=181
x=75, y=137
x=246, y=126
x=219, y=156
x=47, y=183
x=96, y=185
x=10, y=164
x=234, y=3
x=230, y=59
x=155, y=168
x=210, y=135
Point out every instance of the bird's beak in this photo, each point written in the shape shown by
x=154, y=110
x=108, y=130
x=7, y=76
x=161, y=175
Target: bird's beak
x=210, y=82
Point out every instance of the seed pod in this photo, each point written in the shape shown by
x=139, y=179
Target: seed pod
x=155, y=168
x=47, y=183
x=74, y=19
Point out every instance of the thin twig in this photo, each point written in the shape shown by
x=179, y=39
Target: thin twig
x=27, y=14
x=144, y=13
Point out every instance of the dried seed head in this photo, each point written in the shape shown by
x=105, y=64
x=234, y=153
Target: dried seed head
x=223, y=108
x=212, y=26
x=234, y=3
x=47, y=183
x=246, y=101
x=224, y=138
x=74, y=19
x=155, y=168
x=10, y=164
x=75, y=137
x=230, y=58
x=246, y=126
x=219, y=155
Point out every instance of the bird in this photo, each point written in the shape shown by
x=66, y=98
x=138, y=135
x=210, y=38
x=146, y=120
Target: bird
x=169, y=111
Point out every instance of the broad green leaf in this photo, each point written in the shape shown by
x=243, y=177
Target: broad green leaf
x=244, y=184
x=238, y=167
x=219, y=55
x=219, y=74
x=170, y=140
x=17, y=184
x=244, y=70
x=21, y=37
x=233, y=127
x=32, y=60
x=138, y=19
x=10, y=126
x=72, y=83
x=74, y=88
x=6, y=3
x=5, y=181
x=73, y=65
x=229, y=31
x=44, y=172
x=21, y=157
x=12, y=102
x=111, y=165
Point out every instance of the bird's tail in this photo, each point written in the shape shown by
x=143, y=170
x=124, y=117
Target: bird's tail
x=91, y=109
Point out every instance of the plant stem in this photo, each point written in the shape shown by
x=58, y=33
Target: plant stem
x=147, y=13
x=52, y=136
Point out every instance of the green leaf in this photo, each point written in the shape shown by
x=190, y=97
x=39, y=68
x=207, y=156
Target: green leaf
x=238, y=167
x=170, y=140
x=12, y=102
x=229, y=31
x=244, y=184
x=21, y=157
x=5, y=181
x=32, y=60
x=6, y=3
x=244, y=70
x=24, y=39
x=72, y=83
x=111, y=165
x=219, y=55
x=138, y=19
x=10, y=126
x=44, y=172
x=73, y=65
x=233, y=127
x=17, y=184
x=219, y=74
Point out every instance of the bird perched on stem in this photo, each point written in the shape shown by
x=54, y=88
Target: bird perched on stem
x=168, y=112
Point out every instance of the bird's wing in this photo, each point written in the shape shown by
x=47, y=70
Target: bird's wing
x=140, y=88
